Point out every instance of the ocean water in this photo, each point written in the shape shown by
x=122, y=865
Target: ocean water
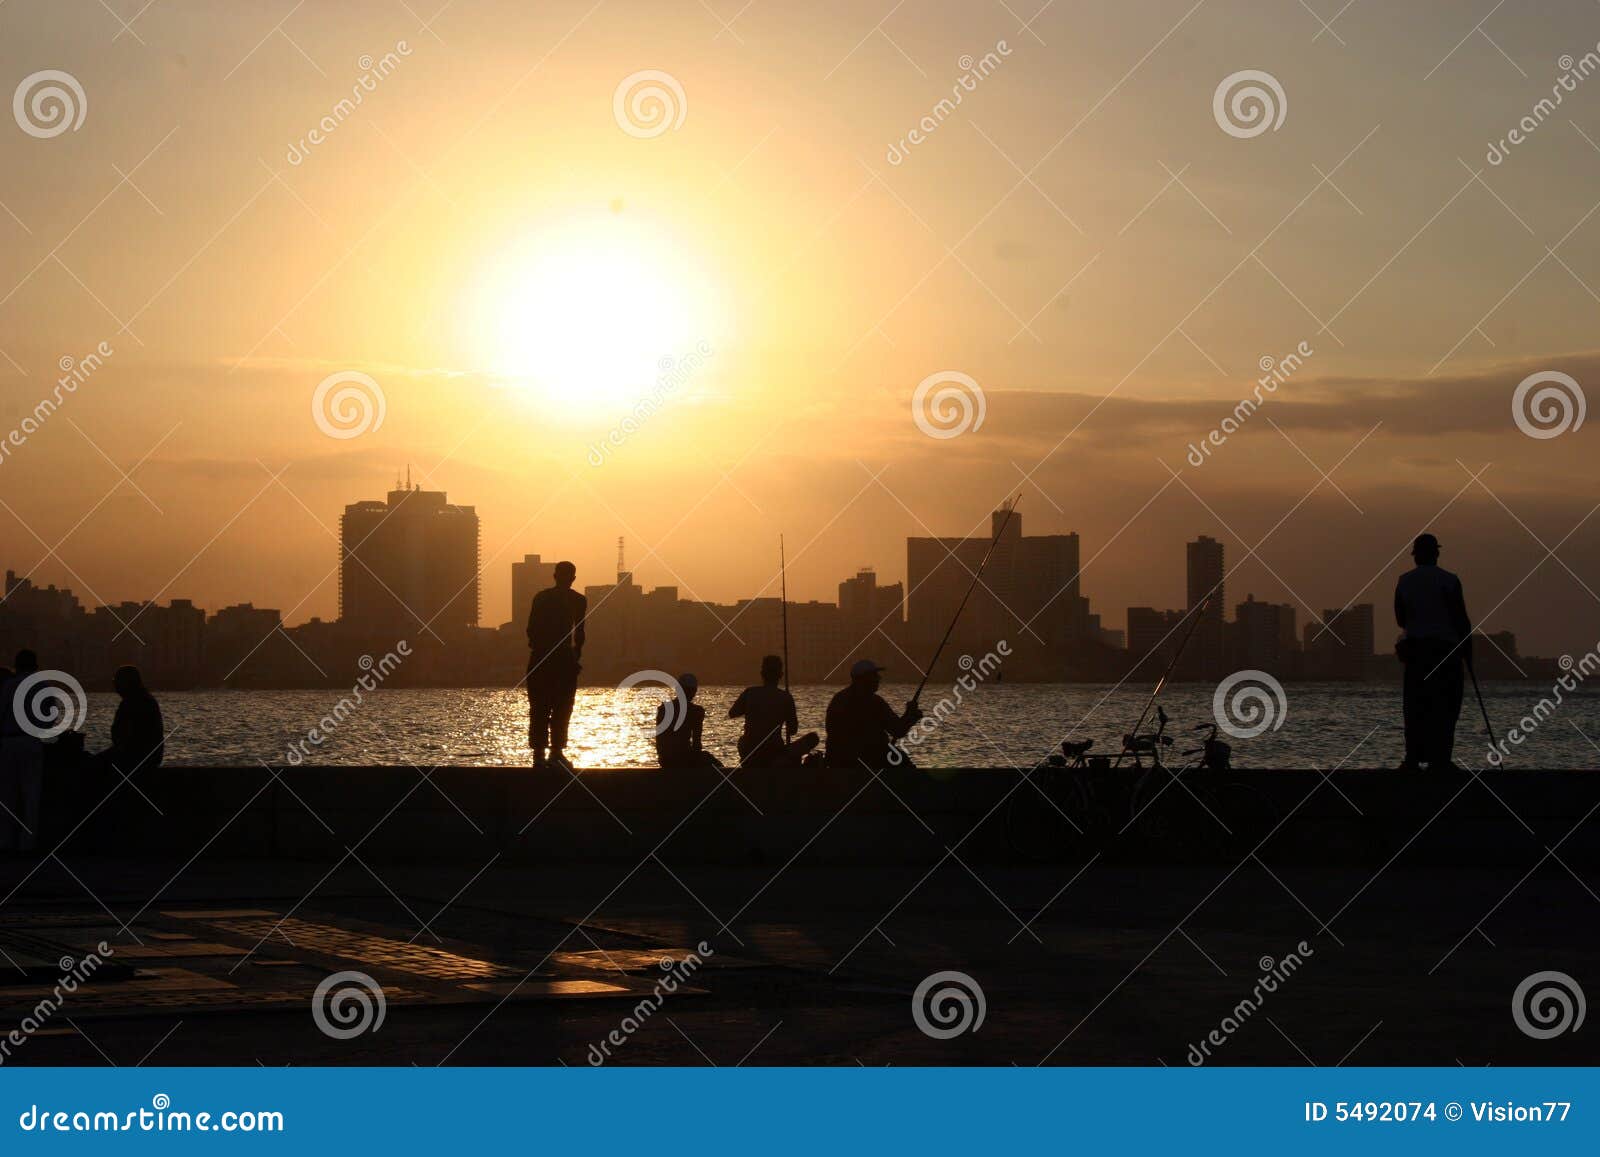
x=997, y=725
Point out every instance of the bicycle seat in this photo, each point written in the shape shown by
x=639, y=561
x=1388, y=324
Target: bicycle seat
x=1077, y=748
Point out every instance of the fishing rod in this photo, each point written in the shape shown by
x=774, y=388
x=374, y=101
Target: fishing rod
x=1478, y=691
x=1000, y=530
x=1176, y=655
x=783, y=600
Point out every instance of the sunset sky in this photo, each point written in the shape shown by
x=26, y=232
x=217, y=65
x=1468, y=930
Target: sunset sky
x=484, y=240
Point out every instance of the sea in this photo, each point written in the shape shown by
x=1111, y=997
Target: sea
x=1310, y=725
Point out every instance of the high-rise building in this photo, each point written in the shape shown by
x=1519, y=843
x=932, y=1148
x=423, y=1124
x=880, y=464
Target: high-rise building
x=1206, y=573
x=166, y=643
x=872, y=615
x=41, y=604
x=1264, y=636
x=1341, y=646
x=1028, y=595
x=409, y=565
x=528, y=578
x=1153, y=637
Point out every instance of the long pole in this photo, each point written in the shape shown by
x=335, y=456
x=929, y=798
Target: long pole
x=783, y=602
x=1176, y=655
x=1478, y=691
x=783, y=599
x=927, y=672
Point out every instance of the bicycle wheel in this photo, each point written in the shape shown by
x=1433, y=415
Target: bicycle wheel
x=1170, y=818
x=1046, y=818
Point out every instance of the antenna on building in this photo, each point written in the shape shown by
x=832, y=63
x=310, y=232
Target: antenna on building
x=622, y=566
x=408, y=476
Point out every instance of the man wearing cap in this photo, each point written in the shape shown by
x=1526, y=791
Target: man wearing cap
x=1431, y=610
x=861, y=726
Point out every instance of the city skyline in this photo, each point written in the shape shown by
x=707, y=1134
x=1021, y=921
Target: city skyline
x=511, y=283
x=410, y=569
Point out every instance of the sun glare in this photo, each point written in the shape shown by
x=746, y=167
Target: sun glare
x=589, y=314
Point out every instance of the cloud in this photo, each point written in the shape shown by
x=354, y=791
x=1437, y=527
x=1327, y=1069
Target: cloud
x=1477, y=402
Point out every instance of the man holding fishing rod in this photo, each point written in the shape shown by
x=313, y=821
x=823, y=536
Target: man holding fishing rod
x=862, y=728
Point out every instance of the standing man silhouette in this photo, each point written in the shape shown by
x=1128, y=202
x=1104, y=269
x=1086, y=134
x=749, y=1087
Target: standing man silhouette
x=555, y=646
x=1431, y=609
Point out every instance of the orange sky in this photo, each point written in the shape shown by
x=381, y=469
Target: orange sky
x=484, y=240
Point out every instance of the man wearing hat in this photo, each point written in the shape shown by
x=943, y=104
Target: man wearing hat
x=1437, y=640
x=861, y=726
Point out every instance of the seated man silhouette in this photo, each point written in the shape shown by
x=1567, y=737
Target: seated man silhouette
x=680, y=729
x=138, y=738
x=21, y=756
x=1431, y=609
x=770, y=722
x=862, y=726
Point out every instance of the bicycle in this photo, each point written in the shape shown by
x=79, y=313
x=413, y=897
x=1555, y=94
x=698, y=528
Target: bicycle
x=1210, y=813
x=1080, y=806
x=1150, y=745
x=1072, y=808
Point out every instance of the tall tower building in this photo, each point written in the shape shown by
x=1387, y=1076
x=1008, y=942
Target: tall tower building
x=1028, y=596
x=1206, y=571
x=1205, y=581
x=408, y=562
x=528, y=578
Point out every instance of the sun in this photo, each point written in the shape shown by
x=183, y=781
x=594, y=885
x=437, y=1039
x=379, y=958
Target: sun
x=589, y=313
